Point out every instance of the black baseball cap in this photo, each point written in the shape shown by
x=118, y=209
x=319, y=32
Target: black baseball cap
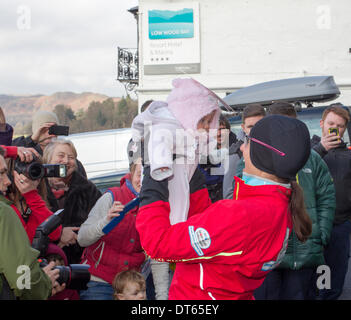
x=280, y=145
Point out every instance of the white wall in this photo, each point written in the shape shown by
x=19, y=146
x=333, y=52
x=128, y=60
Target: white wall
x=244, y=42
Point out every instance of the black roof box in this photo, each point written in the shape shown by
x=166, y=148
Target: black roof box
x=304, y=89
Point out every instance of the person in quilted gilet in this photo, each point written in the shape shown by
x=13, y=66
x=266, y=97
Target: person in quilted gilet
x=120, y=249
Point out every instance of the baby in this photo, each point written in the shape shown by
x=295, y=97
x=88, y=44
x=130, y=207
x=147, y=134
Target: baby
x=129, y=285
x=175, y=133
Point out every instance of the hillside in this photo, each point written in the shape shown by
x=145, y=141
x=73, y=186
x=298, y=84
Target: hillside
x=21, y=108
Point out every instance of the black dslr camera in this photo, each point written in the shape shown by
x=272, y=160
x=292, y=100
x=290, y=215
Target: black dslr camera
x=35, y=170
x=76, y=276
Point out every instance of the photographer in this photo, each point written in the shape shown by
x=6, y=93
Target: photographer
x=27, y=198
x=6, y=130
x=41, y=137
x=16, y=251
x=74, y=193
x=6, y=133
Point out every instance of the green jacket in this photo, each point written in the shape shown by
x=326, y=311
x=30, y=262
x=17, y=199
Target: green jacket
x=319, y=194
x=16, y=253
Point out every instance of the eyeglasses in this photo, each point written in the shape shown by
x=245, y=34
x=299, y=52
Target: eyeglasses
x=247, y=137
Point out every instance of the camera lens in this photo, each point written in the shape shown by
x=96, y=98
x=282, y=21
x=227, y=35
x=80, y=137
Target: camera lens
x=64, y=275
x=80, y=276
x=35, y=171
x=76, y=276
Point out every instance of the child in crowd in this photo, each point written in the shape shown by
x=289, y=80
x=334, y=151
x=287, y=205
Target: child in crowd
x=129, y=285
x=56, y=254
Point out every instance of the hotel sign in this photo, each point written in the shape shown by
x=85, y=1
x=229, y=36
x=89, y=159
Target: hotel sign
x=170, y=38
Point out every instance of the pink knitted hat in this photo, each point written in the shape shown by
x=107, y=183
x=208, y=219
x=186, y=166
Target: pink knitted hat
x=189, y=101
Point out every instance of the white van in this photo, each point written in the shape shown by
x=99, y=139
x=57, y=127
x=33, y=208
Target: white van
x=102, y=152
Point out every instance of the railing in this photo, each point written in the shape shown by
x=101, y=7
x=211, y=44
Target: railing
x=128, y=68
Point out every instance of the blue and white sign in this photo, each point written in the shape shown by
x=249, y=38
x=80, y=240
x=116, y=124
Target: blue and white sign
x=167, y=24
x=171, y=38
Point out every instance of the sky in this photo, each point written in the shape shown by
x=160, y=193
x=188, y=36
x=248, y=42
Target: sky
x=63, y=45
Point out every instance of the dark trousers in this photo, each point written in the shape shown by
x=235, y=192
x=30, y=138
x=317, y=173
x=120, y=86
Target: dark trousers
x=337, y=257
x=285, y=284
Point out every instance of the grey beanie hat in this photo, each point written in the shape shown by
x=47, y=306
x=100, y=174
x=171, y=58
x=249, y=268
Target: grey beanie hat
x=42, y=117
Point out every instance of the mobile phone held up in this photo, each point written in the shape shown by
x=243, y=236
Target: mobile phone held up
x=59, y=130
x=334, y=130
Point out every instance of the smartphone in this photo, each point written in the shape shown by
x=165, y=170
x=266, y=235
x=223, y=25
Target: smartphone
x=335, y=130
x=59, y=130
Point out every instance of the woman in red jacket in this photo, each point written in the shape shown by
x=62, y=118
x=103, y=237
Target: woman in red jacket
x=26, y=198
x=224, y=250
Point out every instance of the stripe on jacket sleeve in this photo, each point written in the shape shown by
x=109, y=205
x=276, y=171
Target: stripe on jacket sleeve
x=237, y=191
x=201, y=276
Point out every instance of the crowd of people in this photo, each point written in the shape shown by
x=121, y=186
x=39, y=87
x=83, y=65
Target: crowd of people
x=249, y=216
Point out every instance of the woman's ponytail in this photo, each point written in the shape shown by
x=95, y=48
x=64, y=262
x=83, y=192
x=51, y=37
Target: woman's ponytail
x=302, y=223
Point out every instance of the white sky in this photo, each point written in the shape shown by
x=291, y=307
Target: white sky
x=63, y=45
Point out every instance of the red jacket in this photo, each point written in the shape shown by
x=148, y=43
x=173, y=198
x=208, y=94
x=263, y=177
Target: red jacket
x=39, y=214
x=120, y=249
x=226, y=251
x=11, y=151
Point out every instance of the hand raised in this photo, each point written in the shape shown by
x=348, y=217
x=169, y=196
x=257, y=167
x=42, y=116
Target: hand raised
x=114, y=210
x=26, y=154
x=42, y=129
x=330, y=141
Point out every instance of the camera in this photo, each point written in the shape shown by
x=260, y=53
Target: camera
x=35, y=170
x=76, y=276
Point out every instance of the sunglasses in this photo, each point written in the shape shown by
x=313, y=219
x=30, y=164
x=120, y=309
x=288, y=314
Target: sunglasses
x=247, y=138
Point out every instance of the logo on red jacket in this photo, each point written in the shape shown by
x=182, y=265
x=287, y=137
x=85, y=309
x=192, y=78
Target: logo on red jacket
x=200, y=239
